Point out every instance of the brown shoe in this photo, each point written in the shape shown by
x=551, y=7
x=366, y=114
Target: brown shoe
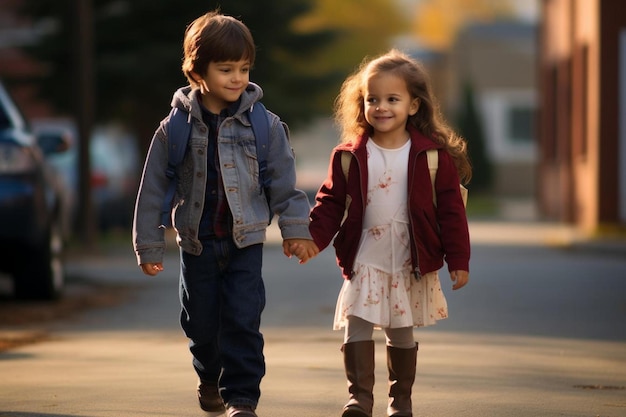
x=240, y=411
x=209, y=398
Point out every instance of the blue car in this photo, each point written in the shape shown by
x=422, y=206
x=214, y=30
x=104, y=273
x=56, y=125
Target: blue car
x=33, y=212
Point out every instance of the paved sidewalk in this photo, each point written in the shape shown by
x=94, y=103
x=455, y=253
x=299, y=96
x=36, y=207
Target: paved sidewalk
x=132, y=361
x=133, y=374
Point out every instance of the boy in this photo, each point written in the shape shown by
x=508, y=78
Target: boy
x=220, y=215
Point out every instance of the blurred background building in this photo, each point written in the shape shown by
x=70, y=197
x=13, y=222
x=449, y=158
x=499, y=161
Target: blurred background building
x=582, y=130
x=536, y=86
x=494, y=64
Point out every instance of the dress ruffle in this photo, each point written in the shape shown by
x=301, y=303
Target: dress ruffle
x=391, y=300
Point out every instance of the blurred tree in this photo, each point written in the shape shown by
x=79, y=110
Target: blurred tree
x=138, y=52
x=367, y=28
x=285, y=52
x=469, y=125
x=436, y=22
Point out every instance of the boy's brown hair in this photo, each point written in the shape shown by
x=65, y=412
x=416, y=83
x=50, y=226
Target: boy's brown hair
x=215, y=37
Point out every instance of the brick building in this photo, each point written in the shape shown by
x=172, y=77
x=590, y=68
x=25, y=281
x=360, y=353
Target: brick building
x=582, y=113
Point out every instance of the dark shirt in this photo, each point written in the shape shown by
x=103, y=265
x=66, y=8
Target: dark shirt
x=216, y=221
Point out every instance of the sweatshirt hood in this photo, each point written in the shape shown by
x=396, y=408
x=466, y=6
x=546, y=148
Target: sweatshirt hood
x=184, y=98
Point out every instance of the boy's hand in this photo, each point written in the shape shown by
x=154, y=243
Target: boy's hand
x=459, y=278
x=152, y=269
x=304, y=249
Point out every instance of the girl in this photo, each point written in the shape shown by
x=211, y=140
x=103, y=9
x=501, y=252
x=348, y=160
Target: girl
x=394, y=239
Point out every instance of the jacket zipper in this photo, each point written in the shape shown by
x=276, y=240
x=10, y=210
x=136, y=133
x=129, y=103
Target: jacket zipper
x=417, y=273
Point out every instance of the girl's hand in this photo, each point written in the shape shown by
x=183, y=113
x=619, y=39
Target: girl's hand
x=152, y=269
x=303, y=249
x=459, y=278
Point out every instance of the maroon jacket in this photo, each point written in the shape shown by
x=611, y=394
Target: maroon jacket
x=436, y=232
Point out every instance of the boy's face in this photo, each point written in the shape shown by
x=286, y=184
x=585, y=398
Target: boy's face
x=223, y=83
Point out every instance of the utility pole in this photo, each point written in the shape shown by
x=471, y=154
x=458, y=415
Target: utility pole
x=84, y=52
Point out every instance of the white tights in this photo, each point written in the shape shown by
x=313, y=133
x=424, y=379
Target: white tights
x=359, y=330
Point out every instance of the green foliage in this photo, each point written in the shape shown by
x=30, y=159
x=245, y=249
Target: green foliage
x=292, y=89
x=366, y=28
x=482, y=206
x=138, y=52
x=469, y=124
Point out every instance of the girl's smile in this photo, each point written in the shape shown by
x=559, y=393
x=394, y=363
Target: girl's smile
x=387, y=107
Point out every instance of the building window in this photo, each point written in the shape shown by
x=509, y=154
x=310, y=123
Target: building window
x=509, y=121
x=521, y=126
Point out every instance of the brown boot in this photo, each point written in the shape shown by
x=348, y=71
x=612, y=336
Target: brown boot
x=358, y=360
x=401, y=364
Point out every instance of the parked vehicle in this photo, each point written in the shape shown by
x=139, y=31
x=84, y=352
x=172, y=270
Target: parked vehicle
x=33, y=206
x=115, y=170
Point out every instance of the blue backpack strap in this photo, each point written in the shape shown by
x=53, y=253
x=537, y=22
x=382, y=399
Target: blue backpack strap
x=261, y=128
x=178, y=131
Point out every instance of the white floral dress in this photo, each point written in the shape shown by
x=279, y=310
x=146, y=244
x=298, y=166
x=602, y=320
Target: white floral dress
x=383, y=290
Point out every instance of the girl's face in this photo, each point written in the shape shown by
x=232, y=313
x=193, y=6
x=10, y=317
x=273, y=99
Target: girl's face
x=223, y=83
x=388, y=105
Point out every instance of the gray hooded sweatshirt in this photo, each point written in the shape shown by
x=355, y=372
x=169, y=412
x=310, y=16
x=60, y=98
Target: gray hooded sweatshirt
x=236, y=147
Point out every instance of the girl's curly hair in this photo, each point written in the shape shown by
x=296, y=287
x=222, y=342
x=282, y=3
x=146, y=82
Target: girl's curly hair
x=350, y=114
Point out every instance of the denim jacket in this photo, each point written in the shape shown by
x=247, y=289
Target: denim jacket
x=240, y=173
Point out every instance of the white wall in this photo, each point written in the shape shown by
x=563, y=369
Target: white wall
x=496, y=106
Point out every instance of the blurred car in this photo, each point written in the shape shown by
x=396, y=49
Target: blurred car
x=115, y=170
x=33, y=213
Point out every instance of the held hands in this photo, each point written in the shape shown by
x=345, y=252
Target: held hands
x=303, y=249
x=459, y=279
x=151, y=269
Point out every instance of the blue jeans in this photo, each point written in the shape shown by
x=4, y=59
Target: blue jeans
x=222, y=296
